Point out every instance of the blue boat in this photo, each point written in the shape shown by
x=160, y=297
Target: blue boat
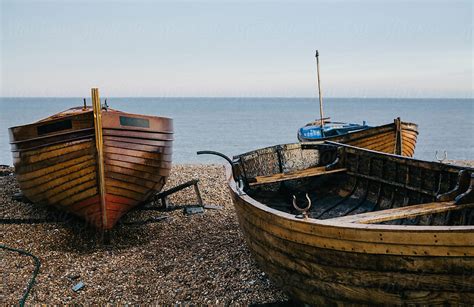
x=315, y=132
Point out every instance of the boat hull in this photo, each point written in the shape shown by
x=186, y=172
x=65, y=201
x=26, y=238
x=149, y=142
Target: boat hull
x=317, y=275
x=380, y=138
x=342, y=262
x=56, y=162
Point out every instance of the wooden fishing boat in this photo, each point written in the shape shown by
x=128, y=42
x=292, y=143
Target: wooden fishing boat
x=367, y=228
x=398, y=138
x=95, y=162
x=395, y=138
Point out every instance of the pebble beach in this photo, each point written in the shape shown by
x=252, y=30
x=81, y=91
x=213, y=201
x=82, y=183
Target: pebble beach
x=154, y=257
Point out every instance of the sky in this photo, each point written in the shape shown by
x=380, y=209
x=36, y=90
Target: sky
x=418, y=49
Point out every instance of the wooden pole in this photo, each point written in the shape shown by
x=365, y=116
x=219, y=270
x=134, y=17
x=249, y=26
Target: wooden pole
x=99, y=143
x=398, y=137
x=320, y=95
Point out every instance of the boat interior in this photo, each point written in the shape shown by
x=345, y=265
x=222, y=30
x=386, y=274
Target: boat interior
x=352, y=185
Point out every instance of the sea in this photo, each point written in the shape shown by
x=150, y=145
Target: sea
x=237, y=125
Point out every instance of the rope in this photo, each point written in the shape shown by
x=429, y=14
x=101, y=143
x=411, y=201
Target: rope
x=35, y=272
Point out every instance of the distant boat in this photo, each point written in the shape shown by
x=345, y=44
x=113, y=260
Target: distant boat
x=395, y=138
x=368, y=228
x=95, y=162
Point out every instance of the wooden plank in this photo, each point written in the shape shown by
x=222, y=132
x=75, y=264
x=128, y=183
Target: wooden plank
x=139, y=147
x=23, y=168
x=136, y=160
x=65, y=146
x=53, y=140
x=127, y=185
x=374, y=140
x=80, y=196
x=401, y=213
x=56, y=175
x=154, y=177
x=393, y=183
x=32, y=157
x=139, y=135
x=163, y=171
x=149, y=183
x=138, y=141
x=162, y=154
x=306, y=173
x=53, y=169
x=360, y=241
x=113, y=190
x=65, y=181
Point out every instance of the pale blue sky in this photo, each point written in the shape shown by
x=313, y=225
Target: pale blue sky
x=368, y=48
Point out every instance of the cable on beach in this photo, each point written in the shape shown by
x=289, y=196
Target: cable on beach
x=35, y=272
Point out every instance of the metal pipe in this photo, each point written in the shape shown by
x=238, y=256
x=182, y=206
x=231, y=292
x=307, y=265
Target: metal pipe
x=210, y=152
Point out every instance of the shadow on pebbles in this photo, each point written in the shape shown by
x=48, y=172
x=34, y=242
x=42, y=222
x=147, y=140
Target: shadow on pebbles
x=198, y=259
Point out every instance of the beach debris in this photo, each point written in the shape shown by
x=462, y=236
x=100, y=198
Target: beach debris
x=19, y=196
x=5, y=172
x=213, y=207
x=78, y=286
x=73, y=276
x=193, y=210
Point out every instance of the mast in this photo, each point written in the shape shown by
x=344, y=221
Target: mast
x=320, y=95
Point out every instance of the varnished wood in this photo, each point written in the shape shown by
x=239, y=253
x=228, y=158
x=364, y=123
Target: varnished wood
x=57, y=161
x=384, y=238
x=309, y=172
x=401, y=213
x=99, y=143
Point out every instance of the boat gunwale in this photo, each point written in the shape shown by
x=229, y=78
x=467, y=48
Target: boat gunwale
x=89, y=110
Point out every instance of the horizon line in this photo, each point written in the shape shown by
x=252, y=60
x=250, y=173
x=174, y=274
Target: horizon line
x=239, y=97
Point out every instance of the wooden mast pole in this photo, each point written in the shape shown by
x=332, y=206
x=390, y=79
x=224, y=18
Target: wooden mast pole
x=99, y=143
x=320, y=95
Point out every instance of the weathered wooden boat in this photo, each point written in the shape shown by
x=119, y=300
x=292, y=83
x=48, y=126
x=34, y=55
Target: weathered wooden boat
x=95, y=162
x=396, y=138
x=367, y=228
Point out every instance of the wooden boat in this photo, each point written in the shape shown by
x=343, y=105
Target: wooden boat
x=97, y=163
x=398, y=138
x=395, y=138
x=380, y=228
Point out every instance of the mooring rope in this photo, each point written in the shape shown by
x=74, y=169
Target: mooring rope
x=35, y=272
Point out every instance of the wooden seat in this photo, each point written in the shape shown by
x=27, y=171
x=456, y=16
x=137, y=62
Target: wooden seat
x=400, y=213
x=309, y=172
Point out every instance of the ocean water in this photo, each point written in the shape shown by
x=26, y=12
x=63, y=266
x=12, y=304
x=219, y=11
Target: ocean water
x=237, y=125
